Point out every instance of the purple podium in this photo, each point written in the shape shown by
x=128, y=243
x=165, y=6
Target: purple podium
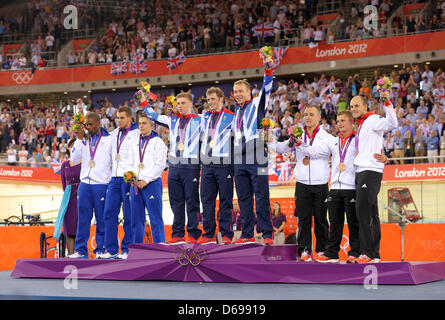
x=248, y=263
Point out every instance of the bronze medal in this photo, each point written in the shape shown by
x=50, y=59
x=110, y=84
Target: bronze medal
x=306, y=161
x=341, y=166
x=356, y=153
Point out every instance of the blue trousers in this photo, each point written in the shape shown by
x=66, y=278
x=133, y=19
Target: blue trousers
x=214, y=181
x=183, y=188
x=149, y=197
x=118, y=193
x=91, y=197
x=253, y=180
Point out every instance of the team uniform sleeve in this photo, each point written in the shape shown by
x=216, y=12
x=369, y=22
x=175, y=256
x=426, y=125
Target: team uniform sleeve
x=160, y=119
x=264, y=94
x=77, y=151
x=386, y=123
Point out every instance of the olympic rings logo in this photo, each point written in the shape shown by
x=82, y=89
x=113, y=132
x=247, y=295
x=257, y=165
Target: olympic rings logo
x=22, y=77
x=346, y=245
x=189, y=256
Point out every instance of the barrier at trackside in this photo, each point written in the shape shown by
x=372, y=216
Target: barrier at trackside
x=421, y=242
x=393, y=173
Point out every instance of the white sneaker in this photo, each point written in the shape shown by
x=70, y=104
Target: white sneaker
x=77, y=255
x=122, y=256
x=375, y=260
x=99, y=255
x=107, y=256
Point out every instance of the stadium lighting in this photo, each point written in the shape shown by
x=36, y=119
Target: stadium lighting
x=427, y=62
x=396, y=66
x=65, y=92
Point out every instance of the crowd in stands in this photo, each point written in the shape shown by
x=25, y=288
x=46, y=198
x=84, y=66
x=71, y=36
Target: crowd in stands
x=32, y=134
x=162, y=29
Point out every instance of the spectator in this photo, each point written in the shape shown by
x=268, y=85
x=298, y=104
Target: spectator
x=23, y=156
x=399, y=147
x=432, y=143
x=12, y=155
x=409, y=146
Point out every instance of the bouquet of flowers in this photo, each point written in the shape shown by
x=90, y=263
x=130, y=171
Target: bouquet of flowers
x=295, y=132
x=130, y=177
x=144, y=89
x=266, y=124
x=79, y=123
x=385, y=85
x=266, y=54
x=171, y=105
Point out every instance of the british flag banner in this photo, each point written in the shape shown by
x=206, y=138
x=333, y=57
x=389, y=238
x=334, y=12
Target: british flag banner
x=118, y=68
x=237, y=41
x=278, y=55
x=175, y=62
x=263, y=30
x=138, y=65
x=283, y=171
x=57, y=166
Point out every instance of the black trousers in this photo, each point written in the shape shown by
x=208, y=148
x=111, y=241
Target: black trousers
x=340, y=202
x=368, y=186
x=310, y=201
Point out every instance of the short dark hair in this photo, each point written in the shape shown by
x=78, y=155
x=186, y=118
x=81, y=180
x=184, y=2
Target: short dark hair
x=126, y=110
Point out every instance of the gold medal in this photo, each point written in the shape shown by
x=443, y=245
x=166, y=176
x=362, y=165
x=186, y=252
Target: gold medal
x=341, y=166
x=180, y=146
x=117, y=157
x=140, y=166
x=238, y=135
x=92, y=163
x=212, y=144
x=306, y=161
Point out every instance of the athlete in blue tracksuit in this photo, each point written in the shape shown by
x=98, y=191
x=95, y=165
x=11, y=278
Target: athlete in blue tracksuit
x=95, y=174
x=217, y=168
x=184, y=169
x=250, y=159
x=118, y=190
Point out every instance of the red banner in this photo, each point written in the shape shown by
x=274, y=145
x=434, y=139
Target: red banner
x=243, y=60
x=28, y=174
x=417, y=172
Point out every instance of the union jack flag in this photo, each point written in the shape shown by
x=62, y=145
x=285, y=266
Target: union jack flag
x=263, y=30
x=57, y=166
x=138, y=65
x=283, y=171
x=175, y=62
x=118, y=68
x=237, y=41
x=278, y=55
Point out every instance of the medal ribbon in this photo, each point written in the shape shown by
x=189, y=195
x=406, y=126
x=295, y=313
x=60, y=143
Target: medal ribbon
x=121, y=138
x=93, y=152
x=343, y=154
x=313, y=135
x=360, y=121
x=145, y=141
x=182, y=132
x=239, y=120
x=214, y=125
